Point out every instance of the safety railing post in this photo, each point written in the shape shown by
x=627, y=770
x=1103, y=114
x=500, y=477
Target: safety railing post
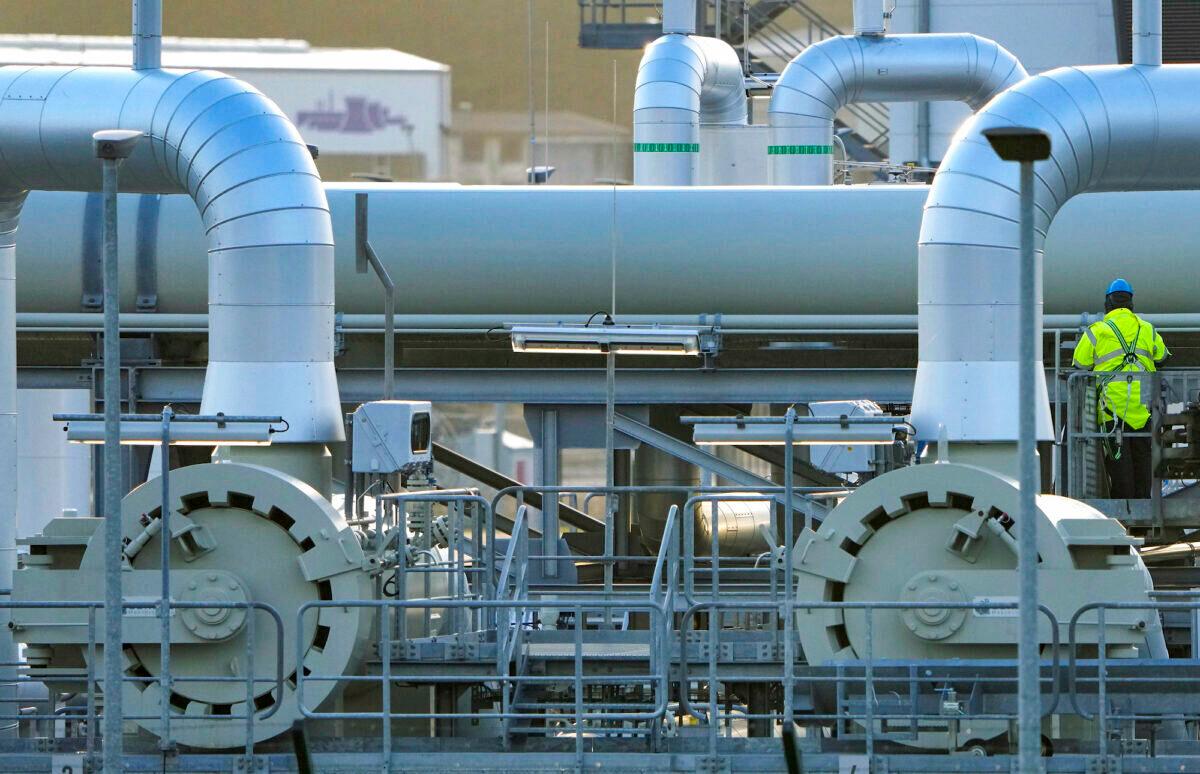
x=1101, y=692
x=385, y=657
x=164, y=609
x=91, y=685
x=580, y=612
x=249, y=637
x=869, y=684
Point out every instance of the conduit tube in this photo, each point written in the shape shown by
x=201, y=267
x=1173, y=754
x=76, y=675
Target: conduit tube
x=839, y=71
x=1112, y=128
x=683, y=81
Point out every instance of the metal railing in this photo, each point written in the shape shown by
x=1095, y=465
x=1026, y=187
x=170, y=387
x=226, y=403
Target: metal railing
x=1081, y=435
x=91, y=674
x=873, y=716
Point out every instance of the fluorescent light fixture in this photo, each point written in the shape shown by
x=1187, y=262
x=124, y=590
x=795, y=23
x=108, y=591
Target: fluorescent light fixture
x=802, y=435
x=603, y=339
x=182, y=433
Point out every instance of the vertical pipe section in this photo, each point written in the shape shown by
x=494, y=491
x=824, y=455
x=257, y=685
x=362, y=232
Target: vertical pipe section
x=113, y=489
x=683, y=81
x=147, y=34
x=10, y=212
x=868, y=17
x=1147, y=32
x=679, y=16
x=1028, y=701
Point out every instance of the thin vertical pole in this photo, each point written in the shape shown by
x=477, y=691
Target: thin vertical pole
x=113, y=720
x=1028, y=699
x=610, y=380
x=789, y=588
x=546, y=149
x=164, y=558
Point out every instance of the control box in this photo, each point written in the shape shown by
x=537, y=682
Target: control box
x=391, y=436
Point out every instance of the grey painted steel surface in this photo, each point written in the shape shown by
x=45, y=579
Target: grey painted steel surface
x=1112, y=128
x=10, y=210
x=1028, y=688
x=683, y=81
x=836, y=72
x=265, y=216
x=546, y=250
x=114, y=487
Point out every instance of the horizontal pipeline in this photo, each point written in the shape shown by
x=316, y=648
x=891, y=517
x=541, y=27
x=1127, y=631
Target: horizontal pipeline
x=57, y=322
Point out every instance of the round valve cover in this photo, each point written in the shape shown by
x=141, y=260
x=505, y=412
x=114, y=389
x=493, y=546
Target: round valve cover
x=253, y=535
x=946, y=534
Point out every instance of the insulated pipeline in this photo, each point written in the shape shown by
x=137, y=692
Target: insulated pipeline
x=836, y=72
x=1111, y=128
x=263, y=211
x=683, y=81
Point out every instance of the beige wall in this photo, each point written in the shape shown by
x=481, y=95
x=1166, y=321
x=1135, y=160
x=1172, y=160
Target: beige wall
x=484, y=41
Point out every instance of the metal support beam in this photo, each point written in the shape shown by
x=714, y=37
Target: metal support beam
x=702, y=459
x=546, y=385
x=496, y=480
x=548, y=476
x=113, y=491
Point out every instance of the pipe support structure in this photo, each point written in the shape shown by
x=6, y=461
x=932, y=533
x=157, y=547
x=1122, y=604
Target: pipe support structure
x=839, y=71
x=683, y=82
x=1112, y=128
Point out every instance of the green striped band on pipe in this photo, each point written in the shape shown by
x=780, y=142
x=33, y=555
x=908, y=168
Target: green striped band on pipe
x=666, y=147
x=799, y=150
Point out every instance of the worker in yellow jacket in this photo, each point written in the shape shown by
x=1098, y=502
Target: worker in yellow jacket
x=1120, y=348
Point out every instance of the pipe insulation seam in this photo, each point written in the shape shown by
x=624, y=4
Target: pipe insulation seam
x=1112, y=128
x=266, y=218
x=839, y=71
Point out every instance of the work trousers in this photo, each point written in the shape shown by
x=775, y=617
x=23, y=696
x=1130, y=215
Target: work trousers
x=1129, y=472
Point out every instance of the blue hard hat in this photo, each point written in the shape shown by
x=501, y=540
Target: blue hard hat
x=1119, y=286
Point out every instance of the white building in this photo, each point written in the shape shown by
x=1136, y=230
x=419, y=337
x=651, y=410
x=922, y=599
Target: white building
x=371, y=110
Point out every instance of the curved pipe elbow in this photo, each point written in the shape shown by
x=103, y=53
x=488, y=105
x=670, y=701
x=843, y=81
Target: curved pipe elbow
x=683, y=82
x=1111, y=128
x=839, y=71
x=253, y=180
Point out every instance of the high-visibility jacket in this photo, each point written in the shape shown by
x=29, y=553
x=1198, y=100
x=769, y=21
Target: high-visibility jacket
x=1121, y=343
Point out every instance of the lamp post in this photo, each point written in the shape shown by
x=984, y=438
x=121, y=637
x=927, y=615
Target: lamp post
x=112, y=146
x=1026, y=146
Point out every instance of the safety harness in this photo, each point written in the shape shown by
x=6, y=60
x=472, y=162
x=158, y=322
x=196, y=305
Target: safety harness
x=1129, y=358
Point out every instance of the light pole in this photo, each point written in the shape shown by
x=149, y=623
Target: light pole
x=1026, y=146
x=112, y=146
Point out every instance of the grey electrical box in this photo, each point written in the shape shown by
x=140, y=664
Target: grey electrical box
x=391, y=436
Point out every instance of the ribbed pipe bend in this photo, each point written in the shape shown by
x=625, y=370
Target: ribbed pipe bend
x=683, y=82
x=1112, y=128
x=839, y=71
x=266, y=218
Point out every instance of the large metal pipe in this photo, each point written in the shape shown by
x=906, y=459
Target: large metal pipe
x=493, y=253
x=838, y=71
x=1113, y=128
x=683, y=81
x=265, y=216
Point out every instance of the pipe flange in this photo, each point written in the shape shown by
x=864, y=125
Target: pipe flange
x=218, y=622
x=933, y=623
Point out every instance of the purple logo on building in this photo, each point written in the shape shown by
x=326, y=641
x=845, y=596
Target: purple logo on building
x=358, y=115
